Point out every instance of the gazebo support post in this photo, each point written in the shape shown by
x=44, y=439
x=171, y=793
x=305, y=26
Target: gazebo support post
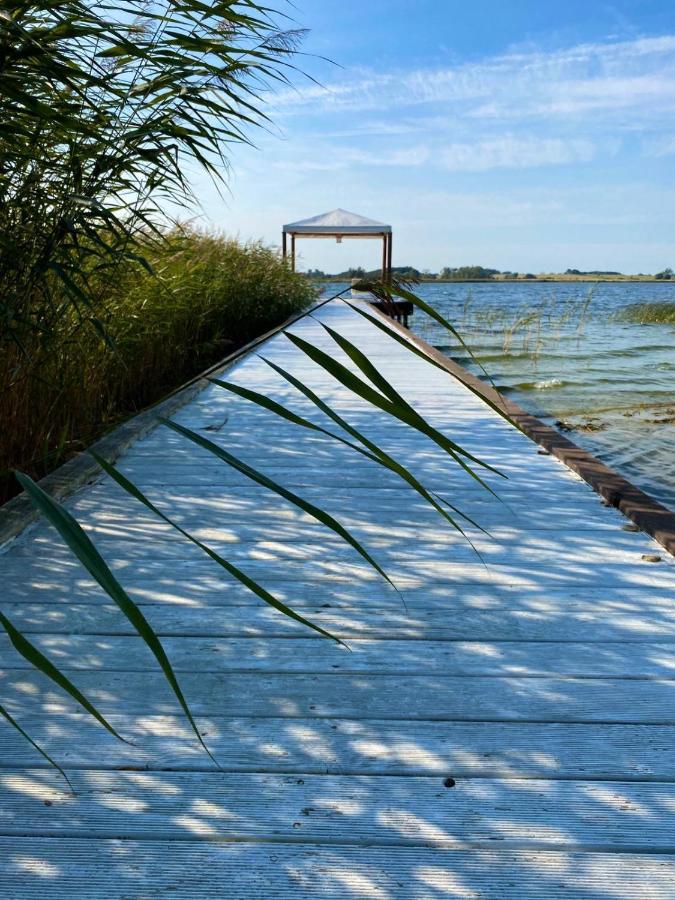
x=389, y=257
x=283, y=244
x=293, y=252
x=384, y=257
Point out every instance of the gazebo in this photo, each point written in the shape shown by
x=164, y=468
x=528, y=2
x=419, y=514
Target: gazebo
x=340, y=224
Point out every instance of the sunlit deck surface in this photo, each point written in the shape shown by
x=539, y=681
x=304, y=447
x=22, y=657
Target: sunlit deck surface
x=508, y=732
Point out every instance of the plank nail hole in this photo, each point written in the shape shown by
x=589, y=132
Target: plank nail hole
x=651, y=557
x=449, y=782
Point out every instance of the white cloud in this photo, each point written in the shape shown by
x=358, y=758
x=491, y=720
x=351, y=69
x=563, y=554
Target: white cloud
x=663, y=146
x=581, y=80
x=410, y=156
x=511, y=152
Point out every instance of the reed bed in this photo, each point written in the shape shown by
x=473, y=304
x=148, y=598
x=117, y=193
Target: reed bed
x=525, y=327
x=655, y=313
x=207, y=295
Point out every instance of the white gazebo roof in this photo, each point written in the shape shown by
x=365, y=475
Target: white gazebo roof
x=338, y=222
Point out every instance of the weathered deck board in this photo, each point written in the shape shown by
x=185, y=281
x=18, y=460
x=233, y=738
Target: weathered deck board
x=543, y=658
x=290, y=871
x=541, y=679
x=491, y=617
x=334, y=809
x=437, y=697
x=358, y=746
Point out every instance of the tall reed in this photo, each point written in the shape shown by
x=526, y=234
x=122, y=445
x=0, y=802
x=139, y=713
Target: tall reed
x=208, y=295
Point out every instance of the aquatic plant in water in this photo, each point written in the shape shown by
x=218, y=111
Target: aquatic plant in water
x=656, y=313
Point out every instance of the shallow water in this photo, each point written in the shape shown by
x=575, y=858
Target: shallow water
x=559, y=350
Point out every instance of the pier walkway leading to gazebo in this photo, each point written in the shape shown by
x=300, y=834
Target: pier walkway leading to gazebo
x=503, y=729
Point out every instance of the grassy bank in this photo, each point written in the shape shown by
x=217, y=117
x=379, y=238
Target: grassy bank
x=207, y=296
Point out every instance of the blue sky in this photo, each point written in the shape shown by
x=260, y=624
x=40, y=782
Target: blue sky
x=522, y=135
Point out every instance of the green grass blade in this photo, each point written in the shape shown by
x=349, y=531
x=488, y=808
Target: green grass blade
x=375, y=376
x=359, y=358
x=376, y=452
x=403, y=413
x=83, y=548
x=316, y=512
x=233, y=570
x=39, y=661
x=400, y=339
x=280, y=410
x=399, y=291
x=12, y=721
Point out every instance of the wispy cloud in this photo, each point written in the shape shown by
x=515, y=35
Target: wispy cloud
x=663, y=146
x=518, y=110
x=588, y=78
x=529, y=159
x=511, y=152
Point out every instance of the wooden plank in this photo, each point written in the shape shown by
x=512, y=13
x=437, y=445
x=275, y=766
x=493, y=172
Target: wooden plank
x=334, y=809
x=327, y=570
x=366, y=695
x=440, y=541
x=63, y=587
x=60, y=588
x=51, y=869
x=115, y=653
x=400, y=505
x=637, y=618
x=354, y=747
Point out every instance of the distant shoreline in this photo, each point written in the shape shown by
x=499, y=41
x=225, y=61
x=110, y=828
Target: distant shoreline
x=569, y=279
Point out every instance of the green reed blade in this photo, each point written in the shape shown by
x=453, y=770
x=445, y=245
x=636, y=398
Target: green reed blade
x=400, y=339
x=316, y=512
x=233, y=570
x=39, y=661
x=376, y=452
x=403, y=413
x=83, y=548
x=12, y=721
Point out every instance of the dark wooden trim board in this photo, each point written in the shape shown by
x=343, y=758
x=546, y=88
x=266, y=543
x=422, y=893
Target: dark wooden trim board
x=646, y=512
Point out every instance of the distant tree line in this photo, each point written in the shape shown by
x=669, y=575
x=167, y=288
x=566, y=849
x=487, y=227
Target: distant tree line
x=592, y=272
x=466, y=273
x=460, y=273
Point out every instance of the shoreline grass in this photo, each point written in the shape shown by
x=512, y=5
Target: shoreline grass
x=208, y=295
x=653, y=313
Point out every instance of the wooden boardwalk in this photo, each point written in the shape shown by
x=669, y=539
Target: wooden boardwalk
x=509, y=732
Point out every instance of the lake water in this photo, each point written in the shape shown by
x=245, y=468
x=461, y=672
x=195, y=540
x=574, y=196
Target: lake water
x=561, y=351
